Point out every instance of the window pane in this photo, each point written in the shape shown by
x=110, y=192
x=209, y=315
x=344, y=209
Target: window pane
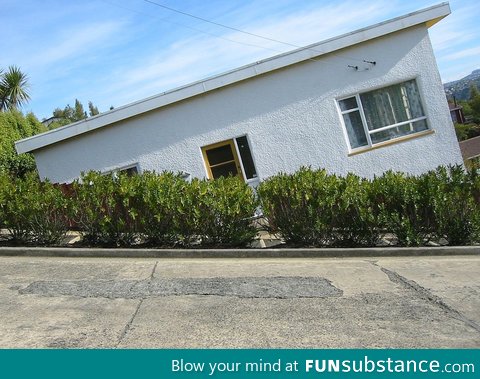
x=224, y=170
x=355, y=130
x=420, y=125
x=220, y=154
x=246, y=157
x=130, y=171
x=392, y=105
x=378, y=109
x=399, y=131
x=347, y=104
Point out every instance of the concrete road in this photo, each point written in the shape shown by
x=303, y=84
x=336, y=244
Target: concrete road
x=232, y=303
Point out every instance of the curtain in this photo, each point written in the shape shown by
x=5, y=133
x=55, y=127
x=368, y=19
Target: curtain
x=392, y=105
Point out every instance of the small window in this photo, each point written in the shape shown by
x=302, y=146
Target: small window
x=229, y=158
x=128, y=170
x=382, y=115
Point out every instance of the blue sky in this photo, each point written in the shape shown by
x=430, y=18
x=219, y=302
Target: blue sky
x=114, y=52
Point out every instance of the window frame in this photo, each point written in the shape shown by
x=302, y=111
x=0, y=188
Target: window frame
x=116, y=170
x=368, y=133
x=236, y=152
x=236, y=160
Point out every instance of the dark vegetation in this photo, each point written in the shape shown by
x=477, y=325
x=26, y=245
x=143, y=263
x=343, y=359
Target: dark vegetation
x=471, y=109
x=119, y=210
x=313, y=208
x=309, y=208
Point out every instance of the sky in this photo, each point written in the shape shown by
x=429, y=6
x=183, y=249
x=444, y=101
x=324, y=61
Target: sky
x=115, y=52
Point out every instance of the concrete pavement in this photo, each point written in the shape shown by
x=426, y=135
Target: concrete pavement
x=409, y=302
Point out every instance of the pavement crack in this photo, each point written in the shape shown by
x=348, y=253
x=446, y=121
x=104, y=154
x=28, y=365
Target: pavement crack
x=129, y=323
x=153, y=271
x=427, y=295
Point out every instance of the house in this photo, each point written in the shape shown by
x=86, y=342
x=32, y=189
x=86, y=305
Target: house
x=364, y=102
x=470, y=149
x=456, y=113
x=48, y=121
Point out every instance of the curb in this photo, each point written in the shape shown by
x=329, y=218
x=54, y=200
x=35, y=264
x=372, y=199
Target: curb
x=239, y=253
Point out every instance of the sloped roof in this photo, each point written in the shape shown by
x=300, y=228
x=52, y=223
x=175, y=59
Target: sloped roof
x=428, y=17
x=470, y=148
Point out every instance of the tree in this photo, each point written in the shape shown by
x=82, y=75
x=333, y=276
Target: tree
x=474, y=103
x=13, y=88
x=68, y=114
x=471, y=109
x=473, y=92
x=80, y=113
x=93, y=110
x=14, y=126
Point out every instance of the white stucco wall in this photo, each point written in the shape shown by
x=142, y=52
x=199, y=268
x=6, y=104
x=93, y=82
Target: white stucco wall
x=289, y=115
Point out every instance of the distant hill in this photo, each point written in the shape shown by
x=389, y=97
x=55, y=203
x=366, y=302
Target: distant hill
x=461, y=88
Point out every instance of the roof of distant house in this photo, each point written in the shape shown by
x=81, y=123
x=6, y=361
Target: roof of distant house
x=454, y=107
x=470, y=148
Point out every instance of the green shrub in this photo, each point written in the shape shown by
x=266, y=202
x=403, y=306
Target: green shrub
x=104, y=208
x=312, y=208
x=308, y=208
x=353, y=219
x=158, y=202
x=5, y=187
x=456, y=204
x=33, y=212
x=300, y=206
x=16, y=209
x=217, y=213
x=438, y=204
x=14, y=126
x=164, y=209
x=402, y=207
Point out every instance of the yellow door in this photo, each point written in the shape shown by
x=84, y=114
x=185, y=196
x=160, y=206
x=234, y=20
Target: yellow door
x=221, y=159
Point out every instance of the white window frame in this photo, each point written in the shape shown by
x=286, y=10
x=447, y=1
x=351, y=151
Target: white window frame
x=368, y=132
x=116, y=170
x=255, y=178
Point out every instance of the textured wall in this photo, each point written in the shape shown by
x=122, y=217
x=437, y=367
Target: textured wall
x=289, y=115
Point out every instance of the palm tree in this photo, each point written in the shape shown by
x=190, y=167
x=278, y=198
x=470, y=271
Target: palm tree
x=13, y=88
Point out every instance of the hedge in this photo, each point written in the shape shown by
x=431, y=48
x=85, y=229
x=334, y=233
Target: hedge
x=160, y=210
x=34, y=212
x=313, y=208
x=309, y=208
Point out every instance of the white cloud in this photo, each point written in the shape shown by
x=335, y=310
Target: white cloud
x=471, y=52
x=201, y=56
x=76, y=42
x=115, y=52
x=455, y=29
x=305, y=28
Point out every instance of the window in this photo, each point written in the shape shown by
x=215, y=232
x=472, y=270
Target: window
x=128, y=170
x=382, y=115
x=232, y=157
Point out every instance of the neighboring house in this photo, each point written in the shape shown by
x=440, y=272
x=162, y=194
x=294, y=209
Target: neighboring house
x=470, y=149
x=456, y=113
x=364, y=102
x=50, y=120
